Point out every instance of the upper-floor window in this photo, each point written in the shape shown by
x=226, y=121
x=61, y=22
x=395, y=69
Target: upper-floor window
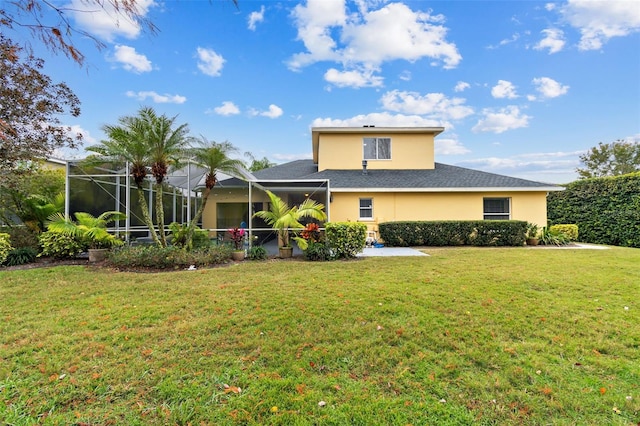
x=376, y=148
x=497, y=208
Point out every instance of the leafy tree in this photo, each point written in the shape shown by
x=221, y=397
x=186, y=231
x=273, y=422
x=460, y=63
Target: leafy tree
x=258, y=164
x=612, y=159
x=31, y=104
x=214, y=157
x=28, y=195
x=50, y=23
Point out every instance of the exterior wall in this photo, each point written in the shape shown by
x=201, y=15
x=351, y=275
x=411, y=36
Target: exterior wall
x=344, y=151
x=389, y=207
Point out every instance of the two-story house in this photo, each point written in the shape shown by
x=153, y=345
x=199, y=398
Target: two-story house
x=381, y=174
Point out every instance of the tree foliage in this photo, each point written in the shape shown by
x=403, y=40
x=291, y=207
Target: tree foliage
x=606, y=210
x=55, y=30
x=30, y=109
x=50, y=22
x=256, y=164
x=612, y=159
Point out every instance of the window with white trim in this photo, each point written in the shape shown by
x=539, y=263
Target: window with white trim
x=366, y=208
x=376, y=149
x=497, y=208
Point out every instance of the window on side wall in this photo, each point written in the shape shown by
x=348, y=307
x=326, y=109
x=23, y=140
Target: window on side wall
x=497, y=208
x=376, y=148
x=366, y=208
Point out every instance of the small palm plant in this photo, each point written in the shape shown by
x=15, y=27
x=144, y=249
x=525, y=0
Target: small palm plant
x=88, y=228
x=286, y=220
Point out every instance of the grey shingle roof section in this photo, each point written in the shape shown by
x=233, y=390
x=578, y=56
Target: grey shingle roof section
x=441, y=178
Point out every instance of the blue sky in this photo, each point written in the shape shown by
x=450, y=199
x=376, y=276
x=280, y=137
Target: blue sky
x=522, y=87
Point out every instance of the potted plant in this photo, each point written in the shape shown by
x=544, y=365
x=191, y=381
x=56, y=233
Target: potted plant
x=90, y=230
x=532, y=234
x=285, y=220
x=237, y=236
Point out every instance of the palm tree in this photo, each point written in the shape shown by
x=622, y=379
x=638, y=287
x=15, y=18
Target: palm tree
x=284, y=218
x=214, y=157
x=91, y=229
x=127, y=141
x=167, y=147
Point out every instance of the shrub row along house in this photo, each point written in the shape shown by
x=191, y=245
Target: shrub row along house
x=379, y=174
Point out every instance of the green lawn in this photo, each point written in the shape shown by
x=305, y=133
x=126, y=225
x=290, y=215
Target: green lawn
x=465, y=336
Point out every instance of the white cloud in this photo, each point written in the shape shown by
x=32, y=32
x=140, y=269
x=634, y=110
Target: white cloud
x=461, y=86
x=553, y=40
x=550, y=6
x=353, y=78
x=105, y=22
x=157, y=98
x=499, y=121
x=227, y=108
x=548, y=88
x=274, y=111
x=449, y=147
x=545, y=166
x=505, y=41
x=504, y=89
x=599, y=21
x=364, y=39
x=434, y=105
x=405, y=75
x=209, y=62
x=254, y=18
x=378, y=119
x=131, y=60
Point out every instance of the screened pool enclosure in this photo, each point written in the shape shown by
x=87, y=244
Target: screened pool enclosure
x=232, y=202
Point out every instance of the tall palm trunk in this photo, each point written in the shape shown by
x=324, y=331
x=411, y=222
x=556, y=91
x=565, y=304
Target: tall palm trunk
x=160, y=214
x=146, y=217
x=196, y=218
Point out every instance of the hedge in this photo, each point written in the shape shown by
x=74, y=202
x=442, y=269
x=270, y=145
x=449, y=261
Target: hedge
x=454, y=233
x=606, y=210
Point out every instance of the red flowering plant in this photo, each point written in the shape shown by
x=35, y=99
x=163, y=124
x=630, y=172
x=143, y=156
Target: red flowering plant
x=237, y=236
x=311, y=232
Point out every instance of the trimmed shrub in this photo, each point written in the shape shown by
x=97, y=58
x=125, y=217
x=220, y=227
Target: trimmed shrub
x=606, y=210
x=59, y=245
x=154, y=257
x=454, y=233
x=345, y=239
x=257, y=253
x=5, y=247
x=568, y=230
x=21, y=256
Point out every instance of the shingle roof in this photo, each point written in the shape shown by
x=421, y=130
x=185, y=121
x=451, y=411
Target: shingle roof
x=443, y=177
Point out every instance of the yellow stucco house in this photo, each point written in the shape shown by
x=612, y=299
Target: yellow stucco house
x=380, y=174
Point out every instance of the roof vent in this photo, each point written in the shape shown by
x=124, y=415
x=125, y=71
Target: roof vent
x=364, y=167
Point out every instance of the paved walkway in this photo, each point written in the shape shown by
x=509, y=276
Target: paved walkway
x=391, y=251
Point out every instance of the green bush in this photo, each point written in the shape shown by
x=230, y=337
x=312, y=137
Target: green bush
x=171, y=257
x=550, y=237
x=345, y=239
x=5, y=247
x=454, y=233
x=22, y=236
x=318, y=251
x=257, y=253
x=59, y=245
x=606, y=210
x=568, y=230
x=21, y=256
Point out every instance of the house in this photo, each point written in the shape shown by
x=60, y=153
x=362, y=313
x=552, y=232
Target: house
x=380, y=174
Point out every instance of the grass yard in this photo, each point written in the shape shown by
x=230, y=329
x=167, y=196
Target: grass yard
x=465, y=336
